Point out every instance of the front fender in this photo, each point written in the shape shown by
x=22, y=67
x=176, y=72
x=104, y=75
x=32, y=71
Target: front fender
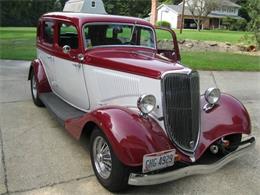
x=130, y=135
x=228, y=117
x=37, y=68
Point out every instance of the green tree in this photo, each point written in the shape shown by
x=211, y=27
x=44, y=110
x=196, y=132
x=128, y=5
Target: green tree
x=23, y=12
x=135, y=8
x=57, y=6
x=254, y=14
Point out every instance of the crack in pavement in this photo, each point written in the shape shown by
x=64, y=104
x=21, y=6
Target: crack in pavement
x=51, y=184
x=3, y=161
x=15, y=101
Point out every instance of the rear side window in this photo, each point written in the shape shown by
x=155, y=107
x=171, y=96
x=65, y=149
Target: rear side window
x=48, y=32
x=68, y=35
x=39, y=31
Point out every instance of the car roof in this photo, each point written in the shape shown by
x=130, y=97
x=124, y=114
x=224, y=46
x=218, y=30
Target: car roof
x=82, y=18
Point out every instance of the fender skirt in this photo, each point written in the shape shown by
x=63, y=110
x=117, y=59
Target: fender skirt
x=132, y=136
x=43, y=85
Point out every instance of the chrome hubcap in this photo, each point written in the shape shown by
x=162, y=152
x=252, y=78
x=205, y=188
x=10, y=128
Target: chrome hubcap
x=34, y=87
x=102, y=157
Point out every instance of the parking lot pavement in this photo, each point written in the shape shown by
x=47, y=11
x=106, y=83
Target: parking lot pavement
x=38, y=157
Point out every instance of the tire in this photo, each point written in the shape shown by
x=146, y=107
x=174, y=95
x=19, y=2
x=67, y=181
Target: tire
x=115, y=177
x=34, y=91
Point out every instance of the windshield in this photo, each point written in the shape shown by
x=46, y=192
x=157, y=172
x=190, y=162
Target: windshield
x=118, y=34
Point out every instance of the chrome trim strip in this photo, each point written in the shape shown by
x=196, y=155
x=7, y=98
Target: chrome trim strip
x=181, y=71
x=146, y=179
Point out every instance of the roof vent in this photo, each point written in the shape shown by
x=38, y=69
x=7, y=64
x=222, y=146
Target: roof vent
x=85, y=6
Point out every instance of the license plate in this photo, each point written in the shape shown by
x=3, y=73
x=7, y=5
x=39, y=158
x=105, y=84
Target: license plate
x=158, y=160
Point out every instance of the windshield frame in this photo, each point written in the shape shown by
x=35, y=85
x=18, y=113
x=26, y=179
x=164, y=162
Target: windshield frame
x=118, y=23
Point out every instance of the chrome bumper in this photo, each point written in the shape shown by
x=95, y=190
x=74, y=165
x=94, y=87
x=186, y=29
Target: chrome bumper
x=146, y=179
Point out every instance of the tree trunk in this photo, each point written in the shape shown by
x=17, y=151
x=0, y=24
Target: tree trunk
x=198, y=24
x=153, y=18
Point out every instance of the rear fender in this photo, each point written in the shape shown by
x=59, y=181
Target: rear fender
x=226, y=118
x=37, y=68
x=130, y=135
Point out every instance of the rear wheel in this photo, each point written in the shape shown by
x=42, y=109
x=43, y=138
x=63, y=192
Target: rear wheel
x=34, y=91
x=110, y=172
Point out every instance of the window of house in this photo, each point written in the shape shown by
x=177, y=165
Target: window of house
x=68, y=35
x=48, y=32
x=93, y=4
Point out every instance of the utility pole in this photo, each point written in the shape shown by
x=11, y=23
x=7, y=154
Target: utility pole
x=153, y=18
x=182, y=16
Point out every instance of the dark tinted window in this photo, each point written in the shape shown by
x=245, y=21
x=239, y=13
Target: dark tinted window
x=68, y=35
x=39, y=31
x=48, y=32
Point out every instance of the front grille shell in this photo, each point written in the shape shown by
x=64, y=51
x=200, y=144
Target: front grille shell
x=181, y=109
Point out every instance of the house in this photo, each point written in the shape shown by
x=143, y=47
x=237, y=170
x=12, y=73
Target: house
x=172, y=14
x=85, y=6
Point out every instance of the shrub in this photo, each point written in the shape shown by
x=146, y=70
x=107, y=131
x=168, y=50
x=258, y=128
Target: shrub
x=235, y=24
x=163, y=24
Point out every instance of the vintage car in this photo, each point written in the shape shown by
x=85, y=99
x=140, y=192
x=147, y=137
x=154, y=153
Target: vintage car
x=133, y=103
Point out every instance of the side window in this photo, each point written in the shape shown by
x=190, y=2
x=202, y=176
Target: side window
x=48, y=32
x=68, y=35
x=164, y=40
x=39, y=33
x=146, y=38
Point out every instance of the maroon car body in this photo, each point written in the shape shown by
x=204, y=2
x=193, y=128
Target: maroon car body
x=130, y=134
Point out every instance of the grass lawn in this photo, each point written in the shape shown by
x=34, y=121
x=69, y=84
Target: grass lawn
x=19, y=44
x=220, y=61
x=213, y=35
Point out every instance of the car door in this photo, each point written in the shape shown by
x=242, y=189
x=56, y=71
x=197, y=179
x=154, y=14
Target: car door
x=71, y=85
x=45, y=51
x=167, y=45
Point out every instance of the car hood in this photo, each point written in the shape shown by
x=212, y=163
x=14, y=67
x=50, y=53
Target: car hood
x=131, y=60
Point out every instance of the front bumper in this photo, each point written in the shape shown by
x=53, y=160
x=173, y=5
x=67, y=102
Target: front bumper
x=146, y=179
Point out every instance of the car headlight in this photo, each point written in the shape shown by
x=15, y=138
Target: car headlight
x=212, y=95
x=146, y=103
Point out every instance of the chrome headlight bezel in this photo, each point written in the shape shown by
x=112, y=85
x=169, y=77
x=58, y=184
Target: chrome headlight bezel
x=146, y=103
x=212, y=95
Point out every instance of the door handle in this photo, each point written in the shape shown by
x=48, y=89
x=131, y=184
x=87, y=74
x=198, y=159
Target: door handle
x=49, y=57
x=76, y=65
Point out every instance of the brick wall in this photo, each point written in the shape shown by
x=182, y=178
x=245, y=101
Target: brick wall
x=206, y=24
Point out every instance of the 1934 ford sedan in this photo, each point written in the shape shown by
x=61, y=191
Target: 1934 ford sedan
x=107, y=81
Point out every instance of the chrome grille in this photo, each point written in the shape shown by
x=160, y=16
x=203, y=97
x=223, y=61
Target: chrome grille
x=181, y=99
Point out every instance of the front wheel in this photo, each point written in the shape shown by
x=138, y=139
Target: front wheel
x=34, y=91
x=110, y=172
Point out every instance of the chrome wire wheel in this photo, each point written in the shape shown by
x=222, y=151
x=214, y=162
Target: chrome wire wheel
x=102, y=157
x=34, y=87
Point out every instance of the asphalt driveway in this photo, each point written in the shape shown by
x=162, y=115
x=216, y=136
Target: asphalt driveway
x=38, y=157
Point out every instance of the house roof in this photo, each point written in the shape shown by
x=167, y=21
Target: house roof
x=230, y=4
x=178, y=8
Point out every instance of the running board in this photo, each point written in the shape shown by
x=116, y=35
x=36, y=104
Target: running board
x=61, y=110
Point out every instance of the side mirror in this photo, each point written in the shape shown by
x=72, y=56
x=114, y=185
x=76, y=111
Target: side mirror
x=66, y=49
